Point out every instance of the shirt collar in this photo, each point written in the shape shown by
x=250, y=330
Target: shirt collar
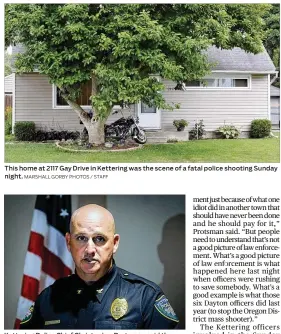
x=100, y=287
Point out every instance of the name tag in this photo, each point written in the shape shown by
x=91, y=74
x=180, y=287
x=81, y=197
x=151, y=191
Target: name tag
x=52, y=322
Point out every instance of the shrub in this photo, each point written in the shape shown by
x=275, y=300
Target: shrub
x=41, y=135
x=180, y=123
x=260, y=128
x=172, y=140
x=197, y=132
x=25, y=131
x=8, y=120
x=228, y=131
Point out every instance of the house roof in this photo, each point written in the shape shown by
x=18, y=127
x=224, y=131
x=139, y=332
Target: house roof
x=274, y=91
x=237, y=59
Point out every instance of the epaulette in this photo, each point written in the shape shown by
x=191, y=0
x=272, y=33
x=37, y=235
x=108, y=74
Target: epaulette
x=126, y=275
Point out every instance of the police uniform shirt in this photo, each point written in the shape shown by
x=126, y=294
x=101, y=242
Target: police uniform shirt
x=119, y=300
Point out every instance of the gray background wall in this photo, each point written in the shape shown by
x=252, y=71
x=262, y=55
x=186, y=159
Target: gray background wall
x=152, y=245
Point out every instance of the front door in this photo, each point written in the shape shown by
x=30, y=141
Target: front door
x=149, y=117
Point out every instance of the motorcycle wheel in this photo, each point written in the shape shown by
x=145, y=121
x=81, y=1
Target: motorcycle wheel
x=140, y=137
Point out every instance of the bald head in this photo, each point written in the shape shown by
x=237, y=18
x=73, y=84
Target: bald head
x=92, y=241
x=93, y=213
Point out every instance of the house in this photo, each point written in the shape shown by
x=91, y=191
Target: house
x=236, y=92
x=275, y=107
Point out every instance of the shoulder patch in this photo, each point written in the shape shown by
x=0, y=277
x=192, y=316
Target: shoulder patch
x=163, y=306
x=28, y=315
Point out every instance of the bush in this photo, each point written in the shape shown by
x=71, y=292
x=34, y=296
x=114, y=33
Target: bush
x=198, y=131
x=8, y=120
x=180, y=123
x=260, y=128
x=41, y=135
x=228, y=131
x=25, y=131
x=172, y=140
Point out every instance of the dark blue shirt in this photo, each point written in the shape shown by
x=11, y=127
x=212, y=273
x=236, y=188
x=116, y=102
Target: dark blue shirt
x=119, y=300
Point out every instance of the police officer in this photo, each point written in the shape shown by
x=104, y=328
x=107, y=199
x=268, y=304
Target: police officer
x=99, y=295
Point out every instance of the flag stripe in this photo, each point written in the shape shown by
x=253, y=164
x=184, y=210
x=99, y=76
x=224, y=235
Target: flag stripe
x=30, y=288
x=39, y=222
x=45, y=280
x=56, y=243
x=36, y=244
x=53, y=266
x=32, y=266
x=17, y=323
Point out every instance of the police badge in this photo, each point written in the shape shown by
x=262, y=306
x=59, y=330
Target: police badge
x=119, y=308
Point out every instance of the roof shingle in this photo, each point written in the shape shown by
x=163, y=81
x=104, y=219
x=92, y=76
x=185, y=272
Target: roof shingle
x=239, y=60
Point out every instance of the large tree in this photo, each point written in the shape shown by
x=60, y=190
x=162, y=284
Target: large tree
x=272, y=40
x=120, y=47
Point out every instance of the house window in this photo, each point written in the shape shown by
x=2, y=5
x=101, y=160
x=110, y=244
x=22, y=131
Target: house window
x=145, y=109
x=225, y=83
x=219, y=83
x=83, y=100
x=192, y=83
x=241, y=82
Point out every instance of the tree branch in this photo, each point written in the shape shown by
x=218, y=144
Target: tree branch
x=84, y=116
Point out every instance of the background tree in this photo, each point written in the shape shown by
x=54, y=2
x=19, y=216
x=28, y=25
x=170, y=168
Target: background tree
x=272, y=41
x=7, y=62
x=118, y=47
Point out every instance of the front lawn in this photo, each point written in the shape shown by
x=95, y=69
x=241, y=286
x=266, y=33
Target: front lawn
x=212, y=150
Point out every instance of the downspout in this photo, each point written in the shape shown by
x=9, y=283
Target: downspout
x=268, y=97
x=14, y=104
x=269, y=106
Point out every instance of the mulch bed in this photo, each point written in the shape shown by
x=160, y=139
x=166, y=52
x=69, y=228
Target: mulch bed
x=99, y=148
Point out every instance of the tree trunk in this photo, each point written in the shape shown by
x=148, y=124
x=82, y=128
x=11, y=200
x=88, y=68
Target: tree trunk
x=96, y=132
x=94, y=125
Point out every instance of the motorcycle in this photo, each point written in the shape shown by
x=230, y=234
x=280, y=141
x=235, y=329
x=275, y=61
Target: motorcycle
x=125, y=127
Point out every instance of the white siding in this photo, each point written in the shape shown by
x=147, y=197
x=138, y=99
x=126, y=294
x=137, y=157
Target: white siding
x=33, y=102
x=9, y=83
x=216, y=107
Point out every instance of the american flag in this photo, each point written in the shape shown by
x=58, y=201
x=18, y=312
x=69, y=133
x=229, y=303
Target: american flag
x=47, y=257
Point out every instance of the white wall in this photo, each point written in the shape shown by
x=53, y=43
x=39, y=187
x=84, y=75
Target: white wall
x=152, y=230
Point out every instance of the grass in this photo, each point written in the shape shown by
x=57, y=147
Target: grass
x=9, y=138
x=213, y=150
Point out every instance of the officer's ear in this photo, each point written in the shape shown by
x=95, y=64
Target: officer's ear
x=116, y=242
x=67, y=239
